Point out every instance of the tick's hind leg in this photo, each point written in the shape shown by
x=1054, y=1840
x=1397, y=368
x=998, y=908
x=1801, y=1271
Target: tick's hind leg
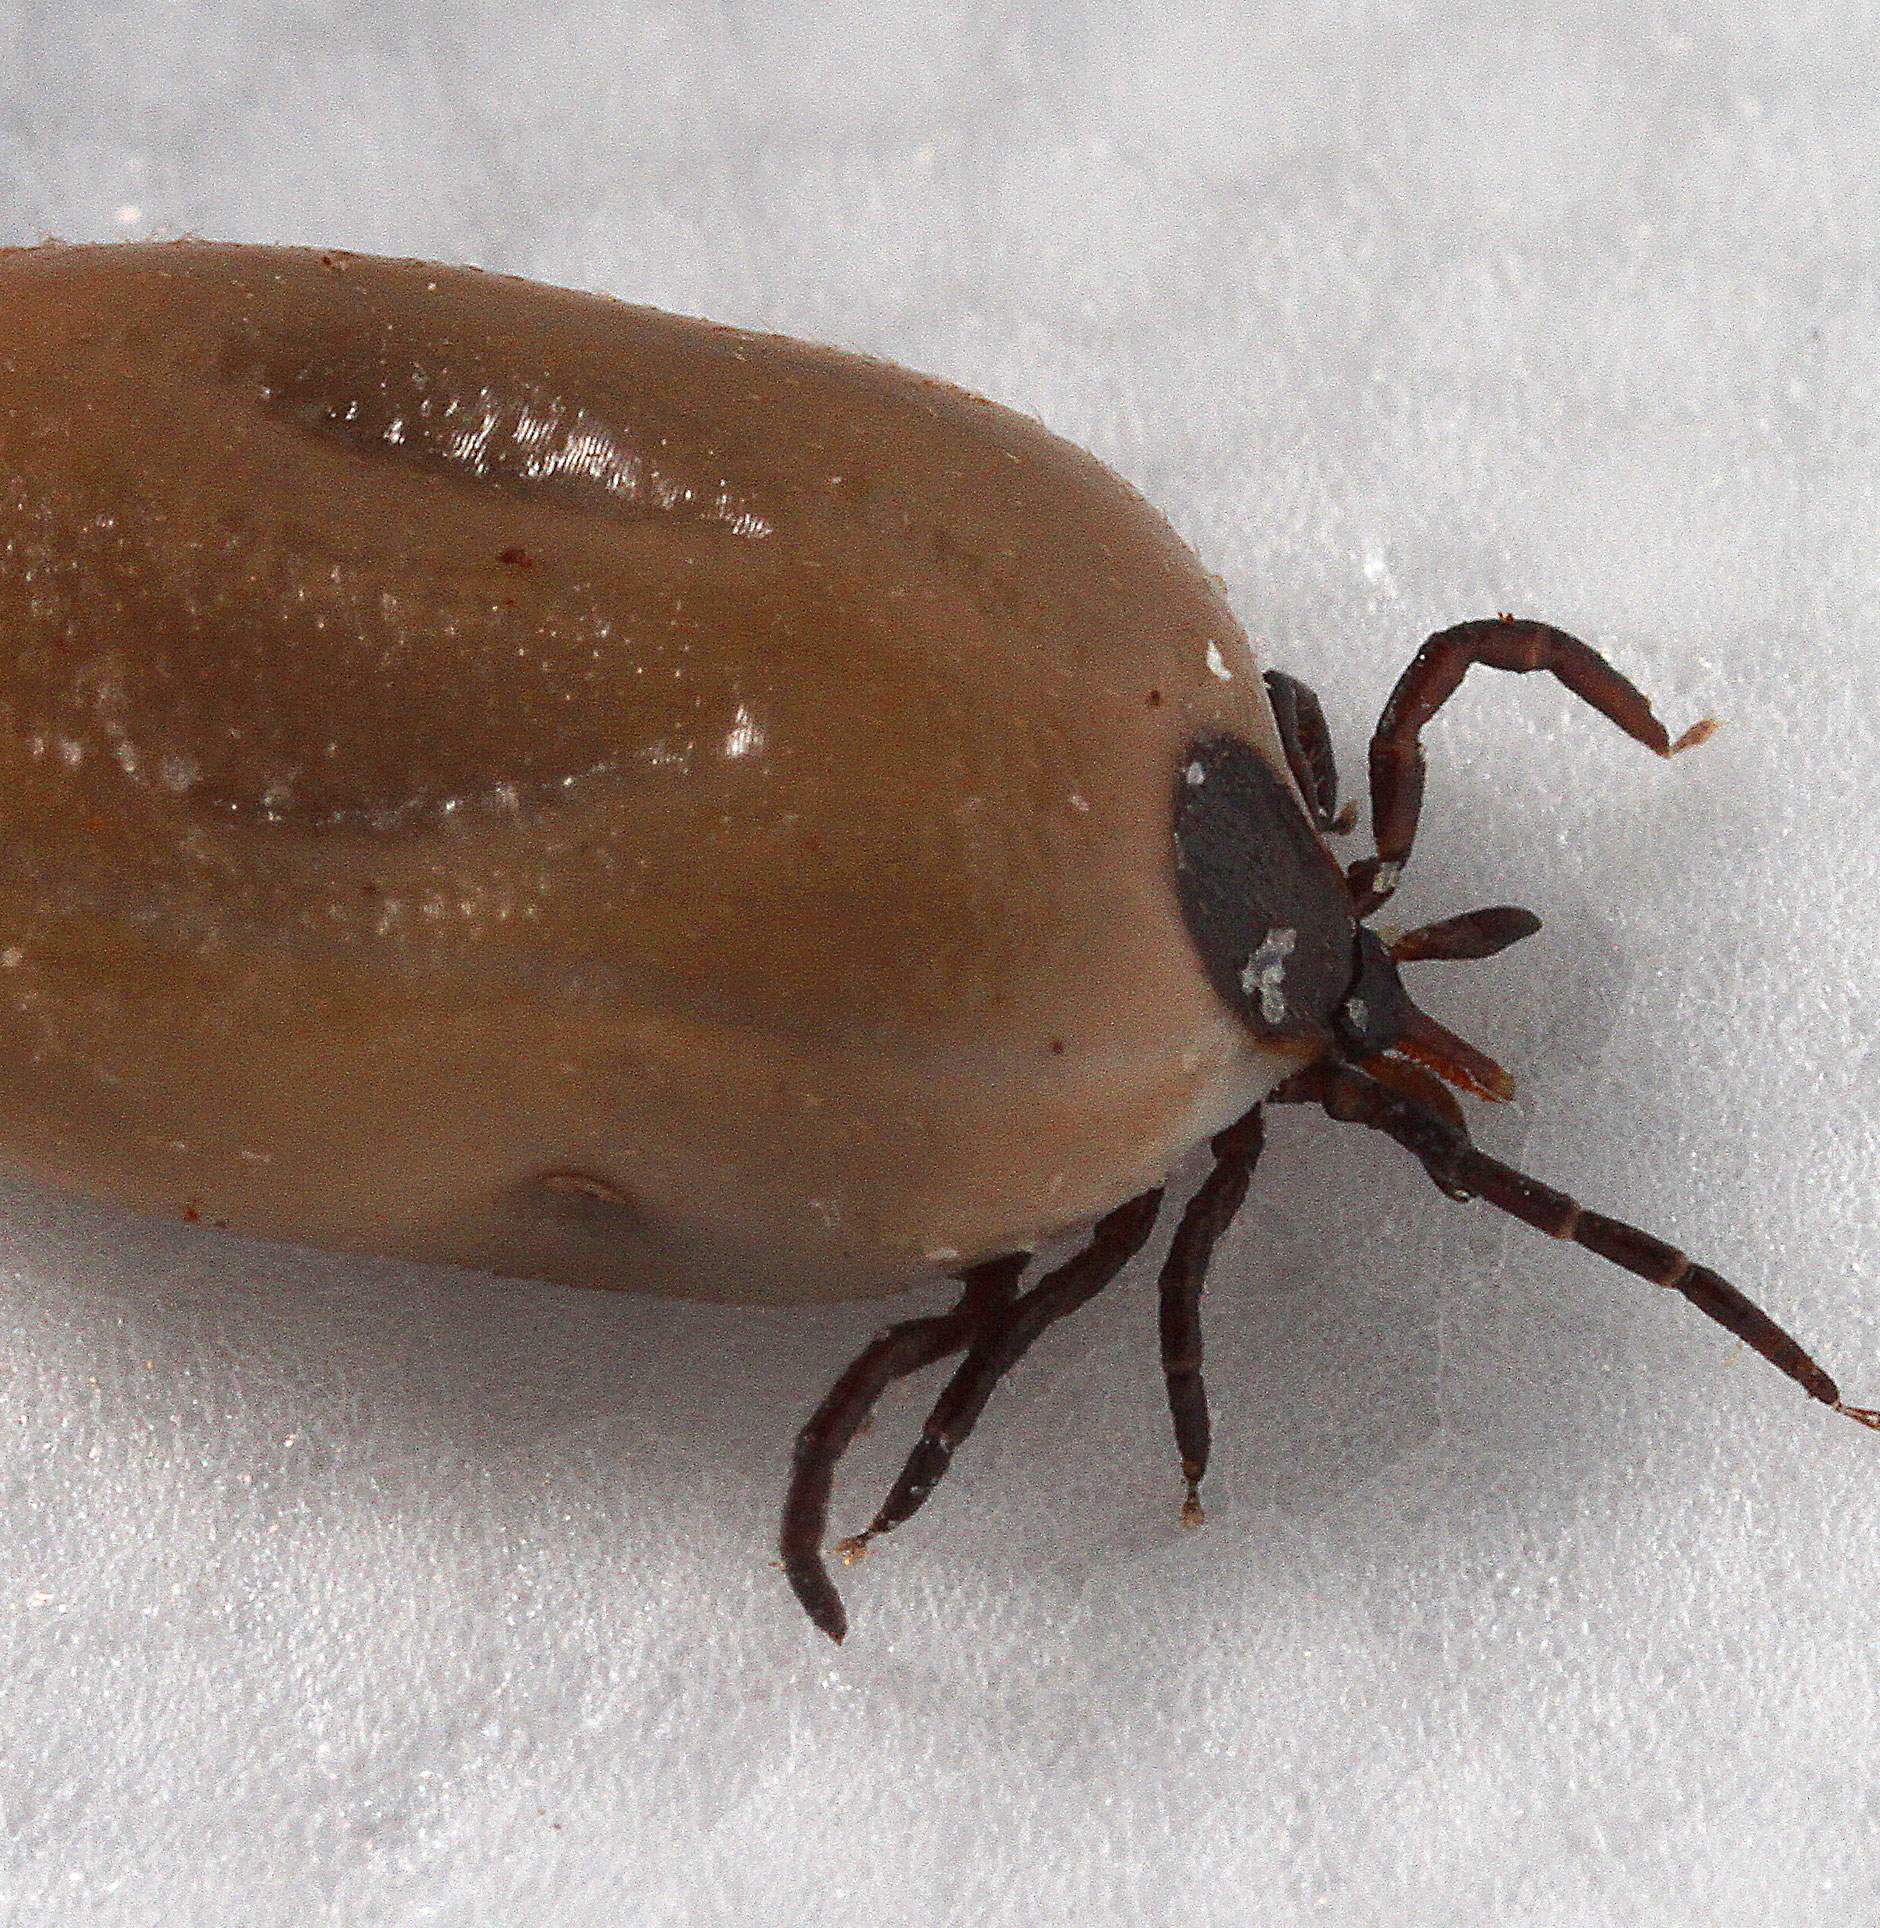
x=1184, y=1272
x=1432, y=678
x=1003, y=1339
x=820, y=1445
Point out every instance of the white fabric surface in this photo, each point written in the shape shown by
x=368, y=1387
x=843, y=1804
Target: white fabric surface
x=339, y=1591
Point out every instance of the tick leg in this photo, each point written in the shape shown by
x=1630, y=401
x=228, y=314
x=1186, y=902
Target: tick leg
x=999, y=1345
x=1308, y=746
x=1209, y=1213
x=902, y=1349
x=1464, y=1172
x=1435, y=671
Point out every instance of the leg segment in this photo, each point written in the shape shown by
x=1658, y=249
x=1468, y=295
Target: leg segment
x=900, y=1350
x=1308, y=746
x=1437, y=669
x=1462, y=1171
x=1209, y=1213
x=999, y=1345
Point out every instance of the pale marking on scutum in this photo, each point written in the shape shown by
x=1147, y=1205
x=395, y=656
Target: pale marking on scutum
x=1265, y=972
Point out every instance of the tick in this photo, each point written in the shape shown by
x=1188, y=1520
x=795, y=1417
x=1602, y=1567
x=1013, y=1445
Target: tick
x=498, y=776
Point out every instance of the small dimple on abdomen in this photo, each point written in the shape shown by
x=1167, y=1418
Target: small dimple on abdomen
x=479, y=427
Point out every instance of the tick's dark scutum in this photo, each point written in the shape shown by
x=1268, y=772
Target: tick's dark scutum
x=1262, y=898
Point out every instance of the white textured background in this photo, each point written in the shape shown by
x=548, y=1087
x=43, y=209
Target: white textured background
x=346, y=1592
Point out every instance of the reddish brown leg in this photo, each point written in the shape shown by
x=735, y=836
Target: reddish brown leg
x=1437, y=669
x=998, y=1346
x=1308, y=746
x=820, y=1445
x=1184, y=1272
x=1462, y=1171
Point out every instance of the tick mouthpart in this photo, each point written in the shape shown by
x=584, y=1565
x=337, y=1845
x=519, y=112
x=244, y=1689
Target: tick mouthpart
x=1453, y=1059
x=1473, y=935
x=1376, y=1015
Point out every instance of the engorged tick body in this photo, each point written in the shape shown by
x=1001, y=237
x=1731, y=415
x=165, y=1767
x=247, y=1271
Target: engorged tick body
x=494, y=775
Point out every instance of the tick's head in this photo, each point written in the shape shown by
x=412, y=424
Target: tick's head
x=1279, y=924
x=1377, y=1016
